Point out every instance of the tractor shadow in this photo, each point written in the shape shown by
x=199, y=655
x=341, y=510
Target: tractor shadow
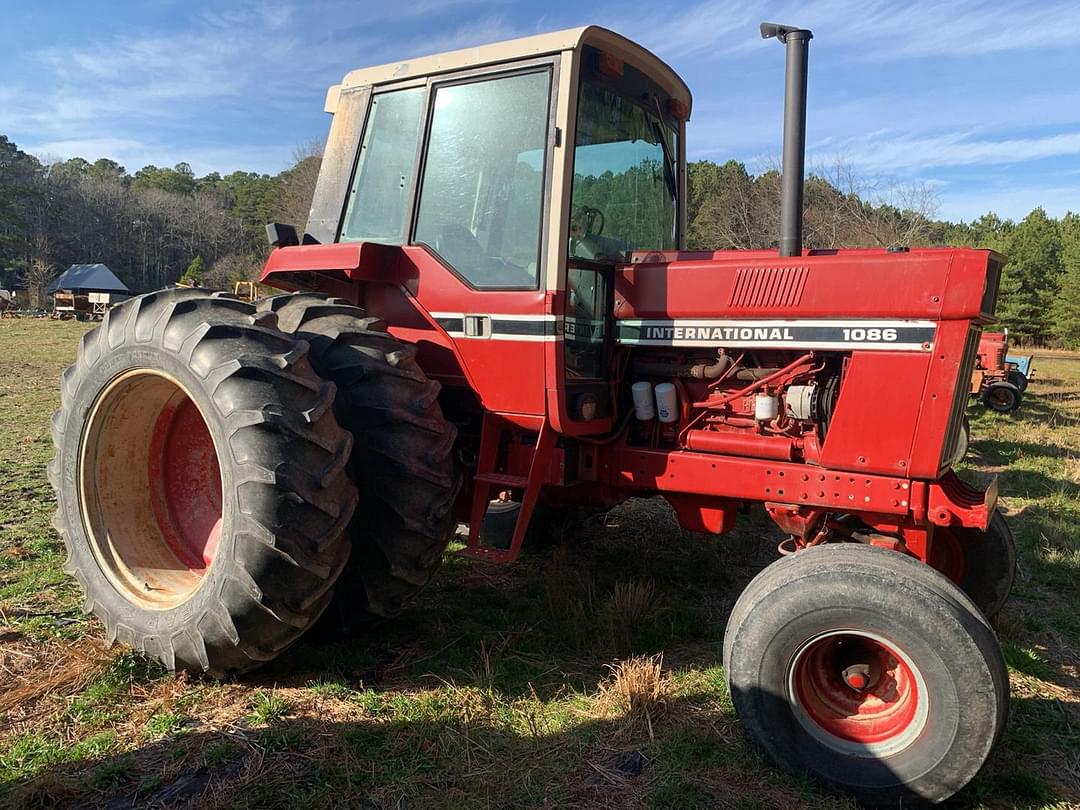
x=627, y=583
x=687, y=755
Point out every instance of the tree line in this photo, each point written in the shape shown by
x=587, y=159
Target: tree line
x=151, y=227
x=1039, y=294
x=156, y=225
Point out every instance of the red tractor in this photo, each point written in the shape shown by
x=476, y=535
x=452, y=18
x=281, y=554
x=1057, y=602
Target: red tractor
x=998, y=382
x=492, y=302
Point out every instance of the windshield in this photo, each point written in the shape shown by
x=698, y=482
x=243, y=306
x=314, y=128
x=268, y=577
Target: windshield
x=624, y=196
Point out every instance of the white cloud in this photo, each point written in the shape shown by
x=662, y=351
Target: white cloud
x=952, y=149
x=247, y=54
x=878, y=29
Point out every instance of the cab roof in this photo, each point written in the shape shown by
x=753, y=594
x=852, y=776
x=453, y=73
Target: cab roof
x=571, y=39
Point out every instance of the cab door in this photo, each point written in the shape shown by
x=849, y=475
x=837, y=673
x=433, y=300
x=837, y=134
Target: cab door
x=479, y=225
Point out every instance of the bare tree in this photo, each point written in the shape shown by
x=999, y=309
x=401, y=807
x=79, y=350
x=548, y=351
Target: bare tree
x=852, y=209
x=298, y=185
x=228, y=270
x=37, y=277
x=734, y=209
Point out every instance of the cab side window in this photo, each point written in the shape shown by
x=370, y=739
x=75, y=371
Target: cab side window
x=481, y=194
x=384, y=167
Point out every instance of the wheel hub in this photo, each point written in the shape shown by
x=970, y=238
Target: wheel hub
x=857, y=694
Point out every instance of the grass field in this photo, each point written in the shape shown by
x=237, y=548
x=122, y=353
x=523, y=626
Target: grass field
x=505, y=688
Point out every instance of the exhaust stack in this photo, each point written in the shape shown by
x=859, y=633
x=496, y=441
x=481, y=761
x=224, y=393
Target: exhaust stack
x=797, y=44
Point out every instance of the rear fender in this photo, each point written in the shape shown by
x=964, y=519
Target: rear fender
x=337, y=269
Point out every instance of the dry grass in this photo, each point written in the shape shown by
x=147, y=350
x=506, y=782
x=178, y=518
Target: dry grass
x=23, y=682
x=637, y=689
x=631, y=606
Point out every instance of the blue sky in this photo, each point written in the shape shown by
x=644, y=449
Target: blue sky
x=980, y=101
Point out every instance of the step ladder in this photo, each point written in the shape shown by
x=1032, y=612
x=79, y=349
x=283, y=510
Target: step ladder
x=487, y=481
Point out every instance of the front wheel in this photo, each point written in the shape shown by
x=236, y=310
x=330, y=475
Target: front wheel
x=1017, y=378
x=982, y=563
x=868, y=670
x=963, y=441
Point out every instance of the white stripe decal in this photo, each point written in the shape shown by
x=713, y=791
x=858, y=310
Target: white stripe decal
x=824, y=333
x=913, y=335
x=500, y=326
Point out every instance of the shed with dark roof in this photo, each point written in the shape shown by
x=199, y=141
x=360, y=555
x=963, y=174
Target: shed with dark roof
x=88, y=278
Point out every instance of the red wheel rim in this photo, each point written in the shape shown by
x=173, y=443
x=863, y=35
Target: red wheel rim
x=855, y=693
x=185, y=484
x=150, y=488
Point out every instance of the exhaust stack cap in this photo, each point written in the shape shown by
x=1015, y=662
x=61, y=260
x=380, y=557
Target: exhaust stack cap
x=797, y=42
x=770, y=30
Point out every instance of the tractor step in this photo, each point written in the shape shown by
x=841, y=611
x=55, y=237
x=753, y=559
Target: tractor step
x=488, y=554
x=486, y=480
x=507, y=481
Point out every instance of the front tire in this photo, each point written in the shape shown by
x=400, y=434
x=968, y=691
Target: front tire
x=1017, y=378
x=868, y=670
x=982, y=563
x=200, y=475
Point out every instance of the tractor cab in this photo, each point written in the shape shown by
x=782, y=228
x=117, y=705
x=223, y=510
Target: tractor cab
x=486, y=195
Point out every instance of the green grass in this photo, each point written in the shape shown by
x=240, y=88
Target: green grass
x=333, y=689
x=493, y=688
x=162, y=724
x=268, y=708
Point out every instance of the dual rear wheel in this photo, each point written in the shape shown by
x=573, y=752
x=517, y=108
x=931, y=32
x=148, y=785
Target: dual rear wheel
x=208, y=456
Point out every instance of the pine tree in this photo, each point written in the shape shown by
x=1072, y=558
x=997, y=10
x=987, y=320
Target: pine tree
x=194, y=273
x=1066, y=309
x=1030, y=280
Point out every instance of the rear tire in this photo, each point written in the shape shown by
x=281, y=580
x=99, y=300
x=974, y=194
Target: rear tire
x=1003, y=397
x=402, y=458
x=934, y=694
x=200, y=475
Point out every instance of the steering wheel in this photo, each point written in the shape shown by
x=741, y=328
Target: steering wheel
x=592, y=220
